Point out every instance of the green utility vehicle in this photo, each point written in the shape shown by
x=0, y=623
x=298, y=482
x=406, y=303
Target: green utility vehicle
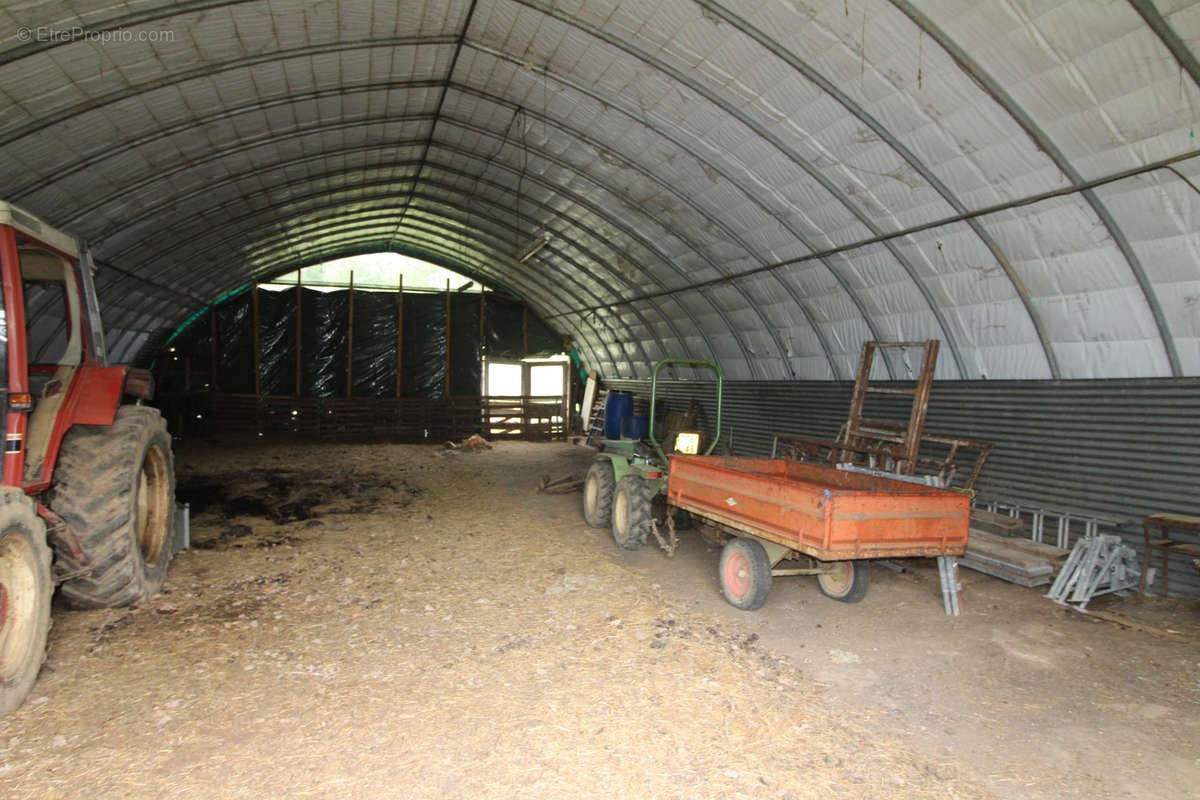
x=626, y=487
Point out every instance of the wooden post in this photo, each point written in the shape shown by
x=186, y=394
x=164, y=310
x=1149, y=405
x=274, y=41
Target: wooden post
x=257, y=342
x=524, y=330
x=400, y=339
x=484, y=408
x=212, y=350
x=567, y=382
x=447, y=381
x=350, y=343
x=299, y=325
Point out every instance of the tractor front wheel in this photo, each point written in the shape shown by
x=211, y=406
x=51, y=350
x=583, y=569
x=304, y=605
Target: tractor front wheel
x=114, y=486
x=25, y=590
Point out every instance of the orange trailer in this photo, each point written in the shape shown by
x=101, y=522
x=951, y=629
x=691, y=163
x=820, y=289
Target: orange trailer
x=838, y=519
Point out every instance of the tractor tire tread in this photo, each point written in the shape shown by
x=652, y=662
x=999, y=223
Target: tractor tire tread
x=95, y=480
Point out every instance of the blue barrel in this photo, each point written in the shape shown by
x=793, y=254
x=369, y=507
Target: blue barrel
x=636, y=427
x=617, y=408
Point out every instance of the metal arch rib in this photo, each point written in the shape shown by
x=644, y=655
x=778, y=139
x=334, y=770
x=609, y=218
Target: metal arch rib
x=265, y=141
x=296, y=53
x=299, y=201
x=389, y=220
x=209, y=70
x=339, y=205
x=396, y=181
x=97, y=158
x=41, y=123
x=690, y=203
x=834, y=192
x=239, y=146
x=59, y=174
x=468, y=18
x=1170, y=39
x=463, y=227
x=300, y=52
x=117, y=23
x=484, y=272
x=665, y=317
x=726, y=230
x=810, y=72
x=993, y=89
x=560, y=190
x=260, y=105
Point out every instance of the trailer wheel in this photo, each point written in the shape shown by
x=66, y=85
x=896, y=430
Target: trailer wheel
x=745, y=573
x=632, y=512
x=114, y=486
x=25, y=590
x=846, y=581
x=598, y=494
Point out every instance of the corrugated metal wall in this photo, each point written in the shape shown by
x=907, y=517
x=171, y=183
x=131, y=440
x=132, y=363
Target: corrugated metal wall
x=1118, y=449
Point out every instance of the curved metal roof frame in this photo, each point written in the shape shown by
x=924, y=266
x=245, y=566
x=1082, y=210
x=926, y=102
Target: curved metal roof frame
x=646, y=244
x=734, y=113
x=486, y=253
x=1046, y=144
x=138, y=186
x=591, y=207
x=94, y=159
x=263, y=213
x=160, y=177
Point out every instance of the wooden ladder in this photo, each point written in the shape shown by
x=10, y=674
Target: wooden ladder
x=595, y=427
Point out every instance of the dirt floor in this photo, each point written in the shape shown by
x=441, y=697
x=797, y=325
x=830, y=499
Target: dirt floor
x=390, y=621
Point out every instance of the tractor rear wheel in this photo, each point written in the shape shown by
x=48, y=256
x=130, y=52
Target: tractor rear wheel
x=632, y=512
x=25, y=590
x=598, y=494
x=114, y=486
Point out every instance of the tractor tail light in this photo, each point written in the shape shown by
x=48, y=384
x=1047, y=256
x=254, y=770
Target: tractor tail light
x=20, y=401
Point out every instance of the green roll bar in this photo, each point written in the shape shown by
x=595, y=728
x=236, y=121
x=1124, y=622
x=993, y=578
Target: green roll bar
x=687, y=362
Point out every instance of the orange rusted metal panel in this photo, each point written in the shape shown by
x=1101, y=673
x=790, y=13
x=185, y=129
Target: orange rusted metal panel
x=819, y=511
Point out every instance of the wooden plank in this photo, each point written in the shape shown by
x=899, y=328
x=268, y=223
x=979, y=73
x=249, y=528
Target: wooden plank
x=1005, y=570
x=983, y=540
x=1129, y=622
x=212, y=355
x=991, y=522
x=257, y=342
x=400, y=339
x=447, y=376
x=350, y=342
x=299, y=331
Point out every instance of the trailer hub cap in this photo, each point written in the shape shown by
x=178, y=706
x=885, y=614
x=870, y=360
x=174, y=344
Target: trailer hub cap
x=737, y=574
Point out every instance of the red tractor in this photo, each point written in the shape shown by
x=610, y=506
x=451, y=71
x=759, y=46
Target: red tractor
x=88, y=469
